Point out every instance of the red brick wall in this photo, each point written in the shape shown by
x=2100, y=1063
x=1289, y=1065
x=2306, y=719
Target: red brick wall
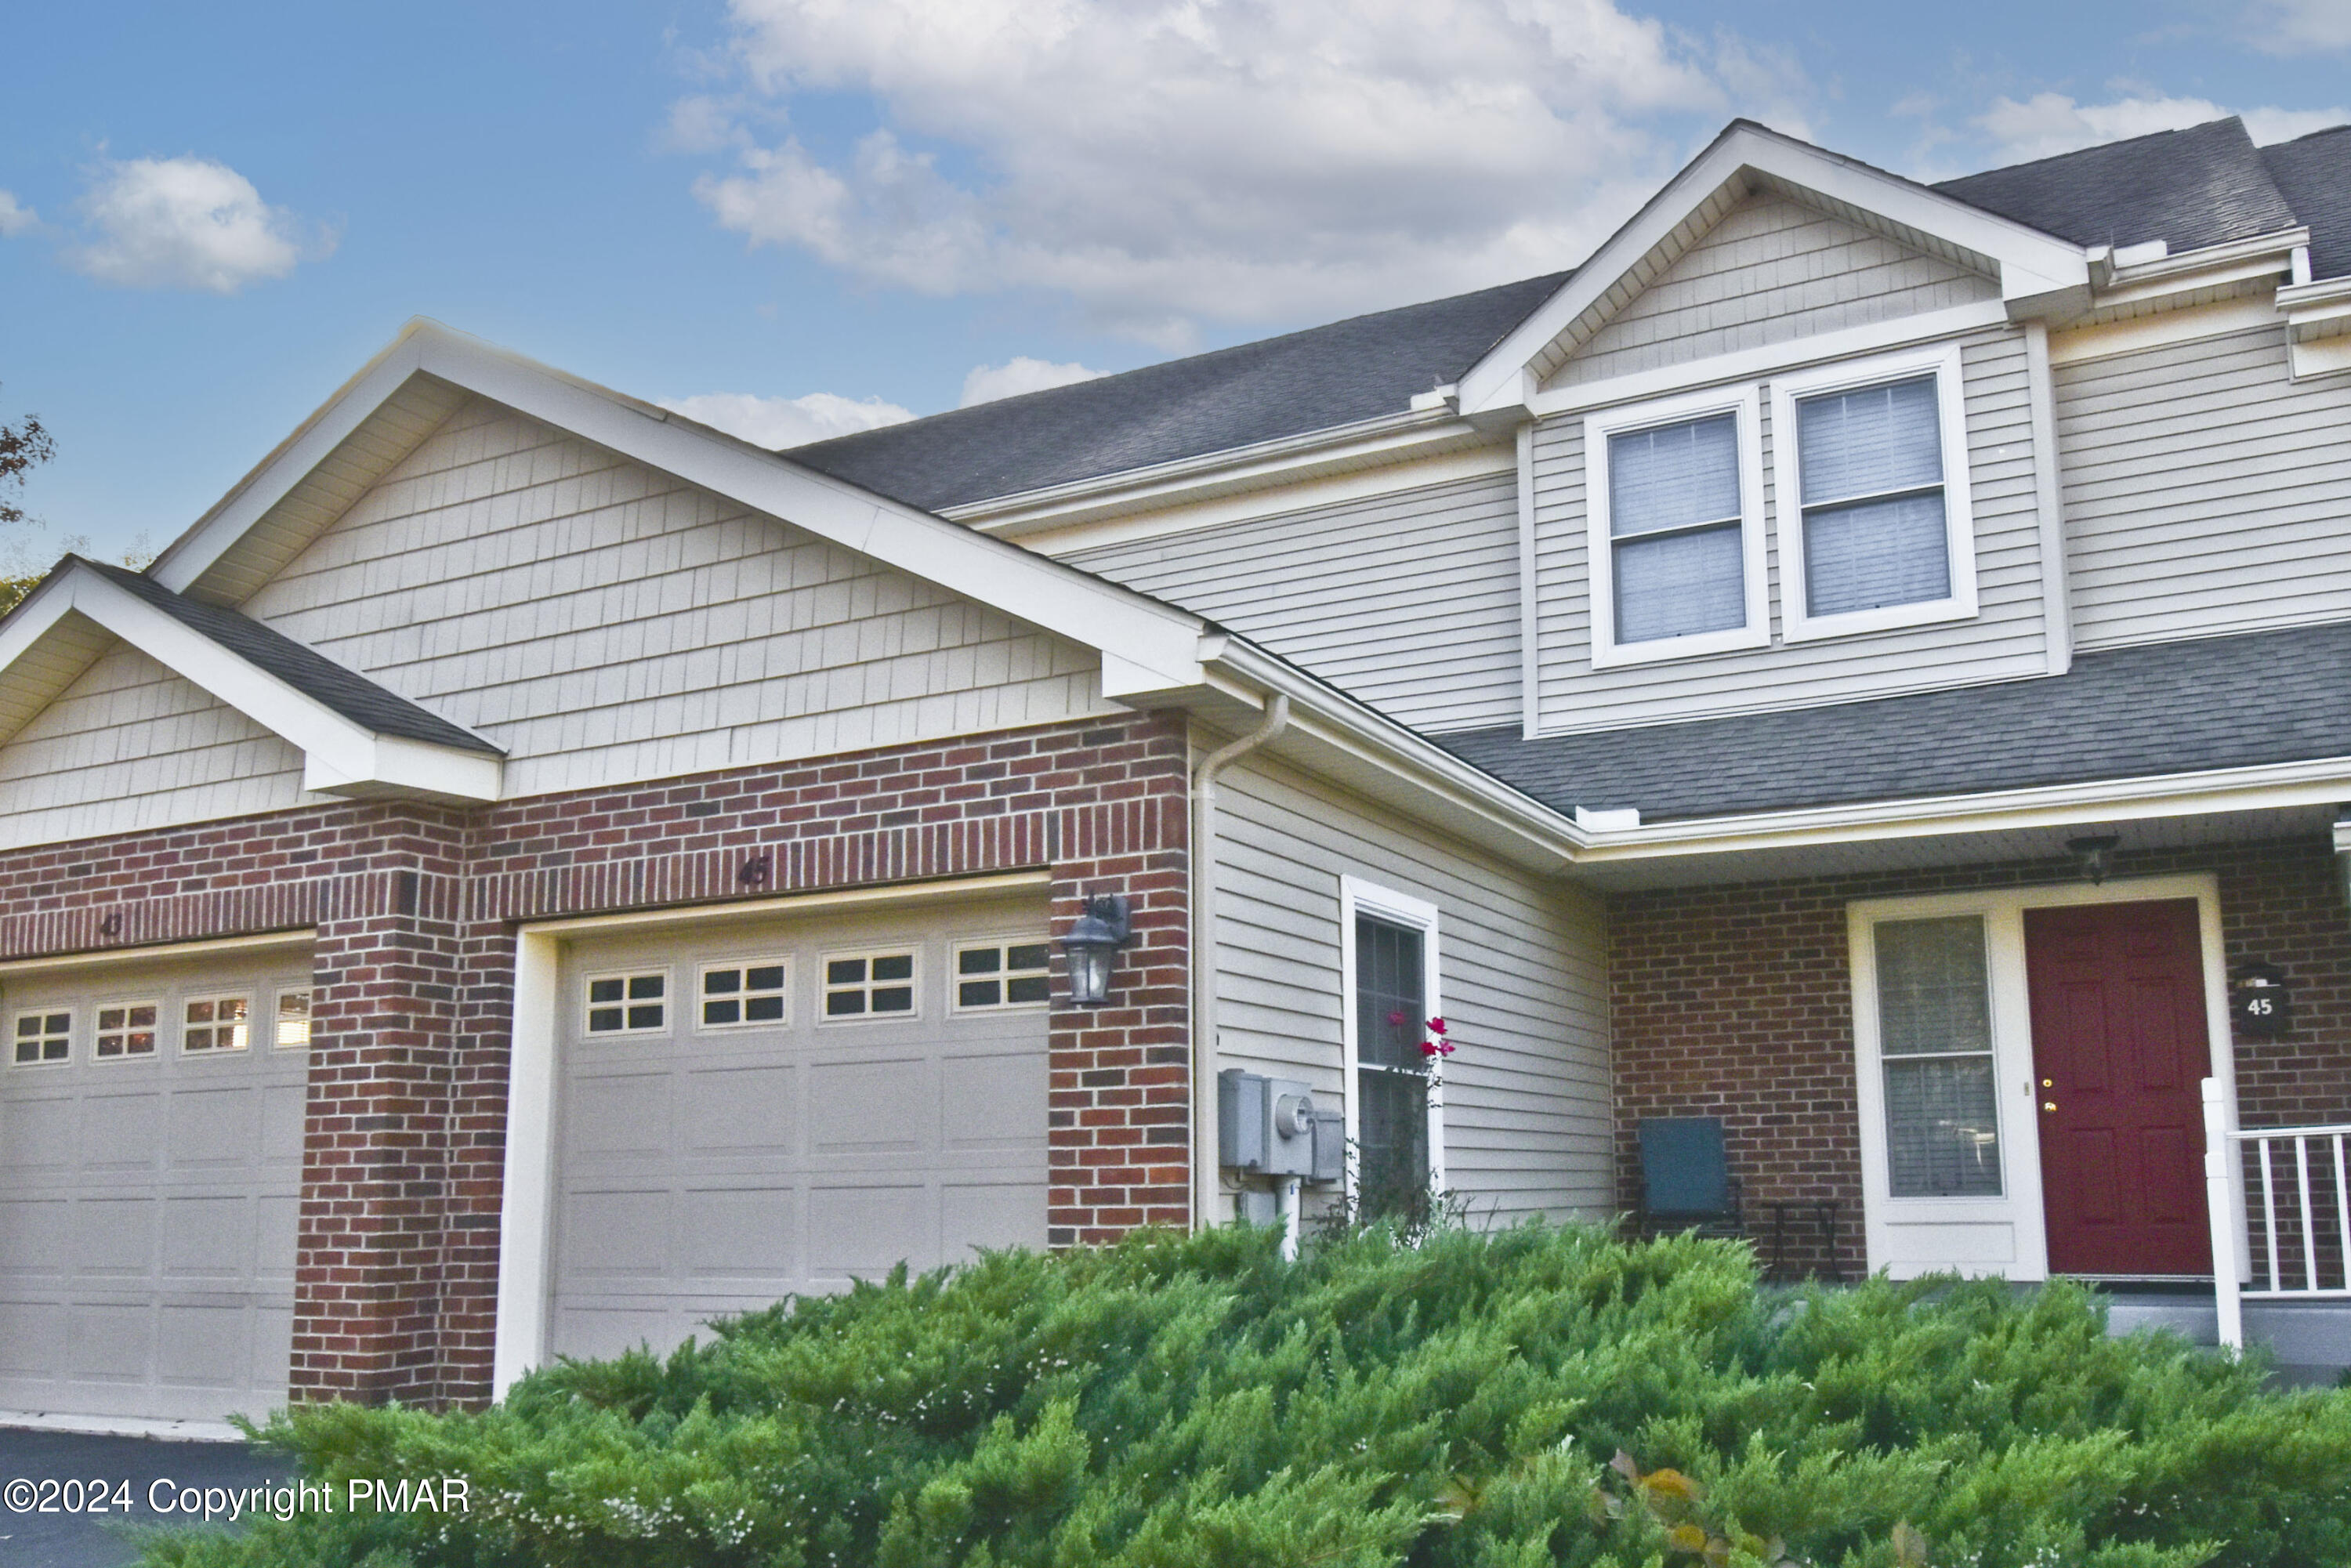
x=415, y=910
x=1735, y=1001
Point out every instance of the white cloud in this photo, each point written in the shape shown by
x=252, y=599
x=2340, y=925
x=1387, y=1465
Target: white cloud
x=185, y=223
x=1019, y=374
x=15, y=218
x=2049, y=123
x=1164, y=160
x=2288, y=26
x=780, y=421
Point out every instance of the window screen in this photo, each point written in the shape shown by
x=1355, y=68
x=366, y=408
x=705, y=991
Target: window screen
x=1875, y=531
x=1391, y=1074
x=1677, y=560
x=1934, y=1022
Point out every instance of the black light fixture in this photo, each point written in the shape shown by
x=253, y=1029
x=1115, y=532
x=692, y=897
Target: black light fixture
x=2094, y=854
x=1091, y=945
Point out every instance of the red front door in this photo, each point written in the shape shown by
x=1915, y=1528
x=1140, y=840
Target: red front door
x=2119, y=1050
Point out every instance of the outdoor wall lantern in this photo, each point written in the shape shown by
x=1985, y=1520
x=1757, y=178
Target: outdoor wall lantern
x=1091, y=947
x=2093, y=854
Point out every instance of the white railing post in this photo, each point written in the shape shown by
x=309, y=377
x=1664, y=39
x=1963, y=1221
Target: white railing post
x=2219, y=1200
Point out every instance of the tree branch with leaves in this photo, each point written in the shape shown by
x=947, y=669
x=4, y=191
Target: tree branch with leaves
x=23, y=446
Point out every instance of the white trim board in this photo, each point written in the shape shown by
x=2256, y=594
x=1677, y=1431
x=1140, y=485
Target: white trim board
x=164, y=953
x=339, y=755
x=2007, y=1237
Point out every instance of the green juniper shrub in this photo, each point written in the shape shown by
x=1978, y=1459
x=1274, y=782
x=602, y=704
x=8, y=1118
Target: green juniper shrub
x=1532, y=1397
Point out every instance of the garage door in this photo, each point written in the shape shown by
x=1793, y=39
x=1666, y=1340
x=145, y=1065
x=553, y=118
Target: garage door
x=767, y=1110
x=150, y=1170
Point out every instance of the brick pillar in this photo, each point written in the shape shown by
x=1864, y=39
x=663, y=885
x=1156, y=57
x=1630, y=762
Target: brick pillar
x=385, y=1001
x=1120, y=1117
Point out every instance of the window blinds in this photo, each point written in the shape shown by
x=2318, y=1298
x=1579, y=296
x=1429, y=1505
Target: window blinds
x=1934, y=1023
x=1679, y=564
x=1875, y=530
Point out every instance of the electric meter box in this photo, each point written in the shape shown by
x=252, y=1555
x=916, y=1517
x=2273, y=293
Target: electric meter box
x=1272, y=1126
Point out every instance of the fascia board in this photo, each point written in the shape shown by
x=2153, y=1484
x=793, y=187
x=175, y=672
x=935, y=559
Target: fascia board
x=2035, y=267
x=189, y=556
x=2277, y=786
x=338, y=755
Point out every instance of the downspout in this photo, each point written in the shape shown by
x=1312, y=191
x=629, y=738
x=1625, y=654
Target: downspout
x=1205, y=1185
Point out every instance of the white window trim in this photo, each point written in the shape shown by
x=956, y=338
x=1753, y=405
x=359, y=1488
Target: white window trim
x=1943, y=360
x=97, y=1027
x=747, y=961
x=1358, y=896
x=955, y=950
x=73, y=1032
x=668, y=999
x=1744, y=404
x=823, y=991
x=1886, y=1220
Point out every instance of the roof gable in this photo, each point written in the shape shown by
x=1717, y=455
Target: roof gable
x=2036, y=271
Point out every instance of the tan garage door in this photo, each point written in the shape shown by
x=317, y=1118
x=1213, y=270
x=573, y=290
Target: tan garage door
x=769, y=1110
x=150, y=1170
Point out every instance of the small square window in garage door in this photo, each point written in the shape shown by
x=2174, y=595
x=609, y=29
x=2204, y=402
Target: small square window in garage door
x=745, y=993
x=127, y=1029
x=868, y=985
x=216, y=1023
x=628, y=1004
x=1002, y=974
x=42, y=1038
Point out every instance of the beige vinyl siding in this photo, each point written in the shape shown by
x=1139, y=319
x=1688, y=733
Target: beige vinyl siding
x=128, y=746
x=1522, y=972
x=606, y=622
x=2005, y=640
x=1773, y=270
x=2205, y=491
x=1408, y=601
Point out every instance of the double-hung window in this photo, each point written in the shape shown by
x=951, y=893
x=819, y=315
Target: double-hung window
x=1677, y=529
x=1871, y=491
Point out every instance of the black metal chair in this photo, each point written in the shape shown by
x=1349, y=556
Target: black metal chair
x=1686, y=1180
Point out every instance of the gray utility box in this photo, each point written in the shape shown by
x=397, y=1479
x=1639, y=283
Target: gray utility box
x=1272, y=1126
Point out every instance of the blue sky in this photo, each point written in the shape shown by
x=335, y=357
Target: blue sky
x=796, y=216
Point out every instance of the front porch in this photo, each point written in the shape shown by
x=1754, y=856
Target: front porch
x=2007, y=1068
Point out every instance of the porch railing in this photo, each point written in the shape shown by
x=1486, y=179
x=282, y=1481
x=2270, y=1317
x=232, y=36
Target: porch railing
x=2294, y=1219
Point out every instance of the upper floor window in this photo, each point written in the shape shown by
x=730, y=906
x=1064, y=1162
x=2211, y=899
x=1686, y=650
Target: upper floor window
x=1871, y=491
x=1677, y=531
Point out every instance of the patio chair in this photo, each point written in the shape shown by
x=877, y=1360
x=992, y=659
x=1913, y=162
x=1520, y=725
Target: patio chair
x=1686, y=1180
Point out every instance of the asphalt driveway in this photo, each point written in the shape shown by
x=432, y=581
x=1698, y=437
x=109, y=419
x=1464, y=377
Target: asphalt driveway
x=67, y=1533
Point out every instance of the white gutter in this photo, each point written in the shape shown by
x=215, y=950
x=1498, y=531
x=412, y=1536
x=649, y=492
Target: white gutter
x=1205, y=1167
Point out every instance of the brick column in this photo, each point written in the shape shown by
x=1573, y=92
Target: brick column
x=386, y=998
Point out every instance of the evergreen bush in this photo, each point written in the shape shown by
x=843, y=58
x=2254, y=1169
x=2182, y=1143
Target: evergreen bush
x=1537, y=1396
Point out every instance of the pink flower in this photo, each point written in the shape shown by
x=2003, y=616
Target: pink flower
x=1437, y=1026
x=1396, y=1016
x=1430, y=1047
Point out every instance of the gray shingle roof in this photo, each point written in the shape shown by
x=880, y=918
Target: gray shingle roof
x=1350, y=370
x=314, y=674
x=2121, y=713
x=2314, y=172
x=2196, y=187
x=2188, y=188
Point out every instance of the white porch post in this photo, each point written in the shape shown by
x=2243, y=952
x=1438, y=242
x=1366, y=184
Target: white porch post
x=2223, y=1206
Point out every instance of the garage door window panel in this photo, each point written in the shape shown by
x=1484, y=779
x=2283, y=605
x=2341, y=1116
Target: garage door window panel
x=43, y=1038
x=292, y=1031
x=126, y=1029
x=999, y=974
x=746, y=993
x=211, y=1024
x=629, y=1003
x=869, y=984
